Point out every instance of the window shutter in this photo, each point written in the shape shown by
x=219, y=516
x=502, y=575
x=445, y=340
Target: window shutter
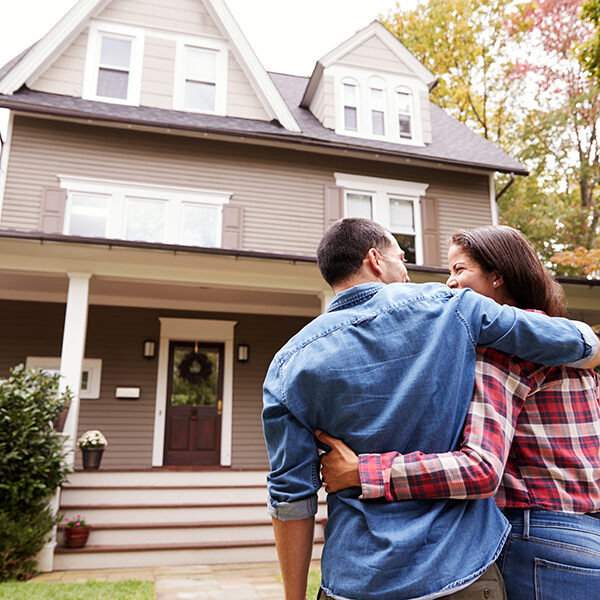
x=232, y=227
x=334, y=204
x=431, y=231
x=52, y=213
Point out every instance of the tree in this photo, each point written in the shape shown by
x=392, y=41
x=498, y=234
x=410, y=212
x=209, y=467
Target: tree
x=591, y=53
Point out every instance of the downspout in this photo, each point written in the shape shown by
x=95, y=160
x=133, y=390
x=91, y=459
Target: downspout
x=494, y=197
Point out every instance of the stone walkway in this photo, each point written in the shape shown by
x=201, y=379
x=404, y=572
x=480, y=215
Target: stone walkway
x=248, y=581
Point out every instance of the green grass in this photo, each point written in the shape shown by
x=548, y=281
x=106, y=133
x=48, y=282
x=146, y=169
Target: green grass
x=314, y=582
x=90, y=590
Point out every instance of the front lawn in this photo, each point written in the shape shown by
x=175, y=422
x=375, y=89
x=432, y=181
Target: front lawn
x=90, y=590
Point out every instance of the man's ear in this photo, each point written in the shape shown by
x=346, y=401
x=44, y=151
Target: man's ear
x=373, y=259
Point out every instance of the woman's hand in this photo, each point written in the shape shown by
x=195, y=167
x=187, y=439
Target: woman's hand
x=339, y=467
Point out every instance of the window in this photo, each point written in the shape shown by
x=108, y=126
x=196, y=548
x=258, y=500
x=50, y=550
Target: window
x=200, y=79
x=90, y=375
x=404, y=101
x=200, y=76
x=402, y=226
x=392, y=203
x=377, y=112
x=137, y=212
x=113, y=70
x=113, y=64
x=350, y=107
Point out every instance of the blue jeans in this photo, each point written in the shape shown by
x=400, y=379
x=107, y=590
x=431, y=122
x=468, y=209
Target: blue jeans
x=551, y=556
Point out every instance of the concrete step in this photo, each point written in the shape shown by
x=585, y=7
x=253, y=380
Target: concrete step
x=191, y=533
x=109, y=557
x=132, y=514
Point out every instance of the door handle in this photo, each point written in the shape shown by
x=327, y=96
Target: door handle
x=220, y=407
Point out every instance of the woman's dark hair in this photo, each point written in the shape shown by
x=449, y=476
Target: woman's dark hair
x=344, y=246
x=508, y=252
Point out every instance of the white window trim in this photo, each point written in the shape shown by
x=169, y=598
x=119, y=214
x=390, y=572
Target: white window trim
x=120, y=191
x=201, y=330
x=92, y=62
x=93, y=366
x=221, y=79
x=382, y=191
x=364, y=79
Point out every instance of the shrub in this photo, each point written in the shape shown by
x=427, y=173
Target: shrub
x=32, y=466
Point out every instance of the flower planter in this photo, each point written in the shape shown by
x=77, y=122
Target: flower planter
x=76, y=537
x=92, y=457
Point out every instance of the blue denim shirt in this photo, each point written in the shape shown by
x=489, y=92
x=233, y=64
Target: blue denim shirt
x=391, y=367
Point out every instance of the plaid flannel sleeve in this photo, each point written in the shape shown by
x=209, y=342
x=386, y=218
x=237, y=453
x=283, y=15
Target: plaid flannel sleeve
x=473, y=471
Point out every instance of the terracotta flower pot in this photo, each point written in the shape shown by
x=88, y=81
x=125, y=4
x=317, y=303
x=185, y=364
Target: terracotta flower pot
x=76, y=537
x=91, y=457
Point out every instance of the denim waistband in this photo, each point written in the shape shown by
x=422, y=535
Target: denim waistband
x=524, y=518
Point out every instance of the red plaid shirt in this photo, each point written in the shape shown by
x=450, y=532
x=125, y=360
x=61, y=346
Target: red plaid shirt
x=540, y=426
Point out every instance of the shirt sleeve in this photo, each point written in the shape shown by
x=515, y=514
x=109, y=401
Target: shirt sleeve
x=550, y=341
x=473, y=471
x=294, y=478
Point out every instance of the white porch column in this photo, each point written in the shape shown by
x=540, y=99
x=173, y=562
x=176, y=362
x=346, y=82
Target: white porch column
x=326, y=299
x=73, y=349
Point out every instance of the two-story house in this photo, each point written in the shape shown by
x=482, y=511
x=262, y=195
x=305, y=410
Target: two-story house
x=162, y=197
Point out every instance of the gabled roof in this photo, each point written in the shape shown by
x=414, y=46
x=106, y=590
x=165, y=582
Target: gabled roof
x=393, y=44
x=29, y=65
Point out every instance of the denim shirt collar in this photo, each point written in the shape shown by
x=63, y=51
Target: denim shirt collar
x=355, y=295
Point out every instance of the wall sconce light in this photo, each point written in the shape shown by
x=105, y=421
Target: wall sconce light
x=149, y=349
x=243, y=352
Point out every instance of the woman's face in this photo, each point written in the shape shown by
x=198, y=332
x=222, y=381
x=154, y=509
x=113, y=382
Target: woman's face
x=466, y=273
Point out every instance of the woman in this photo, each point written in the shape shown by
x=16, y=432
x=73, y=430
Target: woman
x=532, y=437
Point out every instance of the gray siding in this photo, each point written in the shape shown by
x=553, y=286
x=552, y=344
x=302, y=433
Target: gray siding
x=280, y=191
x=158, y=76
x=116, y=334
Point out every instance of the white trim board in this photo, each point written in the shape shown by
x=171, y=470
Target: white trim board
x=201, y=330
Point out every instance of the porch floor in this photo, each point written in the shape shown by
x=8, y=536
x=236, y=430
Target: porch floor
x=246, y=581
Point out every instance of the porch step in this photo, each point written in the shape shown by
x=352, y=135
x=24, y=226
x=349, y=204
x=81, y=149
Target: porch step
x=107, y=557
x=170, y=518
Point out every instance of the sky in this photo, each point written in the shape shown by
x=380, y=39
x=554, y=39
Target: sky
x=288, y=36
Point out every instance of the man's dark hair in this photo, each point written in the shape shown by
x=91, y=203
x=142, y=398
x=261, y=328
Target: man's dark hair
x=344, y=246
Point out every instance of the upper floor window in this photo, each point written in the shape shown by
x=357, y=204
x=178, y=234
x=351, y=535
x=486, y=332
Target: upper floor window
x=377, y=111
x=394, y=204
x=135, y=212
x=404, y=104
x=350, y=107
x=200, y=77
x=113, y=68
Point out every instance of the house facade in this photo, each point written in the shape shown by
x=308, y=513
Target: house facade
x=162, y=197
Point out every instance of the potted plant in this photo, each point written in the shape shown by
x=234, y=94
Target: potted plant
x=92, y=444
x=77, y=532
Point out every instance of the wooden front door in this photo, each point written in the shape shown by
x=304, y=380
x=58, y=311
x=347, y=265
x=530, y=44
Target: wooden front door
x=194, y=404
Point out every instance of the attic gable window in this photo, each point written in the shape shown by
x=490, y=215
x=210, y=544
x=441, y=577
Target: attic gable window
x=404, y=103
x=377, y=111
x=350, y=107
x=200, y=76
x=113, y=64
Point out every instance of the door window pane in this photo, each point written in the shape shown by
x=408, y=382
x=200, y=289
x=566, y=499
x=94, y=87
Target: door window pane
x=199, y=224
x=88, y=215
x=195, y=376
x=145, y=220
x=359, y=205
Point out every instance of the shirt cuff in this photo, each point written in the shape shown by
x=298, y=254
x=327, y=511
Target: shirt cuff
x=590, y=343
x=375, y=474
x=293, y=511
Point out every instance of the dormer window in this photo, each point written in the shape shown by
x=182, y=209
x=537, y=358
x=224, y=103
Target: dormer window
x=113, y=67
x=201, y=76
x=377, y=111
x=404, y=104
x=350, y=107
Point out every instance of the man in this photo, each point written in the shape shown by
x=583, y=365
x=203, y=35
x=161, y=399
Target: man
x=389, y=366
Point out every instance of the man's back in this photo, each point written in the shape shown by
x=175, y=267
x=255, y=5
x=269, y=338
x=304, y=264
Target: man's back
x=388, y=367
